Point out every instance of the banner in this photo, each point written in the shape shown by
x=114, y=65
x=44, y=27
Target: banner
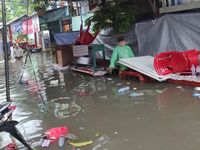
x=35, y=23
x=66, y=38
x=30, y=25
x=16, y=27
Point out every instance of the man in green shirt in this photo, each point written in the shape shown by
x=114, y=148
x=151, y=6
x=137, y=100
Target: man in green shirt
x=121, y=51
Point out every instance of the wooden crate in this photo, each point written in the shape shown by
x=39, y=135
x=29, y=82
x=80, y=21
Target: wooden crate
x=64, y=55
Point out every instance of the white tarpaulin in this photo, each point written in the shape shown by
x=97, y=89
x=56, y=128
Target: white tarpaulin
x=143, y=65
x=171, y=32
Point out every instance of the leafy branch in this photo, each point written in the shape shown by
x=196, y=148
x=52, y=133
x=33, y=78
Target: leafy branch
x=113, y=15
x=41, y=4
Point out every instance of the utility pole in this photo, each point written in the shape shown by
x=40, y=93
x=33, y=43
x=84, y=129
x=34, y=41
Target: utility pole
x=5, y=49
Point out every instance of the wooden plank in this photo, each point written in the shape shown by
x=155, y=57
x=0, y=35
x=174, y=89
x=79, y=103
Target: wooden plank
x=144, y=65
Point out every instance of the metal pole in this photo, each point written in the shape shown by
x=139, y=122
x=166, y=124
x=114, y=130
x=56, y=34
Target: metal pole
x=5, y=48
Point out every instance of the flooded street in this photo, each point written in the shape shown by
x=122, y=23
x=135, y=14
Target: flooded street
x=164, y=117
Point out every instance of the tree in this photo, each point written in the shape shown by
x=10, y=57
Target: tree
x=16, y=8
x=115, y=15
x=41, y=4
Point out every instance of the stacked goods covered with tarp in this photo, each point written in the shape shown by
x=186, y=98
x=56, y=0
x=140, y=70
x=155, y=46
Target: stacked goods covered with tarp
x=176, y=62
x=109, y=41
x=171, y=32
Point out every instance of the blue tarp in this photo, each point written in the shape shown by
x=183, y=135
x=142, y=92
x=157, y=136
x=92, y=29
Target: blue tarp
x=66, y=38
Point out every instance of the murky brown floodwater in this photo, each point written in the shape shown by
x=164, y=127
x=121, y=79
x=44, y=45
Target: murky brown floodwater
x=165, y=118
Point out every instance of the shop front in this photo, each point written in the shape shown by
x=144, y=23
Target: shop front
x=55, y=21
x=30, y=30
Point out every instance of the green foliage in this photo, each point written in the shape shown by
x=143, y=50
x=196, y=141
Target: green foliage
x=41, y=4
x=16, y=8
x=117, y=16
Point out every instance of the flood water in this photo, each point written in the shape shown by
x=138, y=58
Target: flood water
x=166, y=117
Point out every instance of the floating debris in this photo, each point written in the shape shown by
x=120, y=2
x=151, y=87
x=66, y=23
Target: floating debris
x=136, y=94
x=197, y=88
x=46, y=143
x=123, y=89
x=196, y=95
x=118, y=84
x=81, y=128
x=100, y=142
x=109, y=79
x=54, y=82
x=103, y=97
x=81, y=144
x=179, y=87
x=158, y=91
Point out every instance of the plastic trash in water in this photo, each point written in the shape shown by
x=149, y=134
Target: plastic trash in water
x=54, y=134
x=11, y=146
x=197, y=88
x=54, y=83
x=97, y=134
x=118, y=84
x=57, y=67
x=123, y=89
x=103, y=97
x=179, y=87
x=135, y=94
x=46, y=143
x=100, y=142
x=109, y=79
x=80, y=144
x=159, y=91
x=83, y=92
x=61, y=141
x=196, y=95
x=198, y=70
x=71, y=137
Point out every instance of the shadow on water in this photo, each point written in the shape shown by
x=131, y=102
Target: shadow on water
x=164, y=117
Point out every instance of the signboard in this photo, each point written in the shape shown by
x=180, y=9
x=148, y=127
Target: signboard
x=16, y=27
x=27, y=27
x=30, y=25
x=44, y=40
x=35, y=24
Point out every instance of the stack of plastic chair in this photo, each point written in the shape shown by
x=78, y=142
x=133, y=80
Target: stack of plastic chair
x=85, y=37
x=176, y=62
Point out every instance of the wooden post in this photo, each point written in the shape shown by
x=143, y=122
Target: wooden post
x=5, y=48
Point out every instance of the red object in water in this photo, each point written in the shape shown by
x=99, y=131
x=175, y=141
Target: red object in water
x=193, y=56
x=83, y=93
x=54, y=133
x=11, y=146
x=12, y=107
x=175, y=62
x=86, y=37
x=136, y=74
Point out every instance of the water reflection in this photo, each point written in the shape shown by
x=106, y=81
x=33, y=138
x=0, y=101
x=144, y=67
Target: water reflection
x=65, y=110
x=153, y=121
